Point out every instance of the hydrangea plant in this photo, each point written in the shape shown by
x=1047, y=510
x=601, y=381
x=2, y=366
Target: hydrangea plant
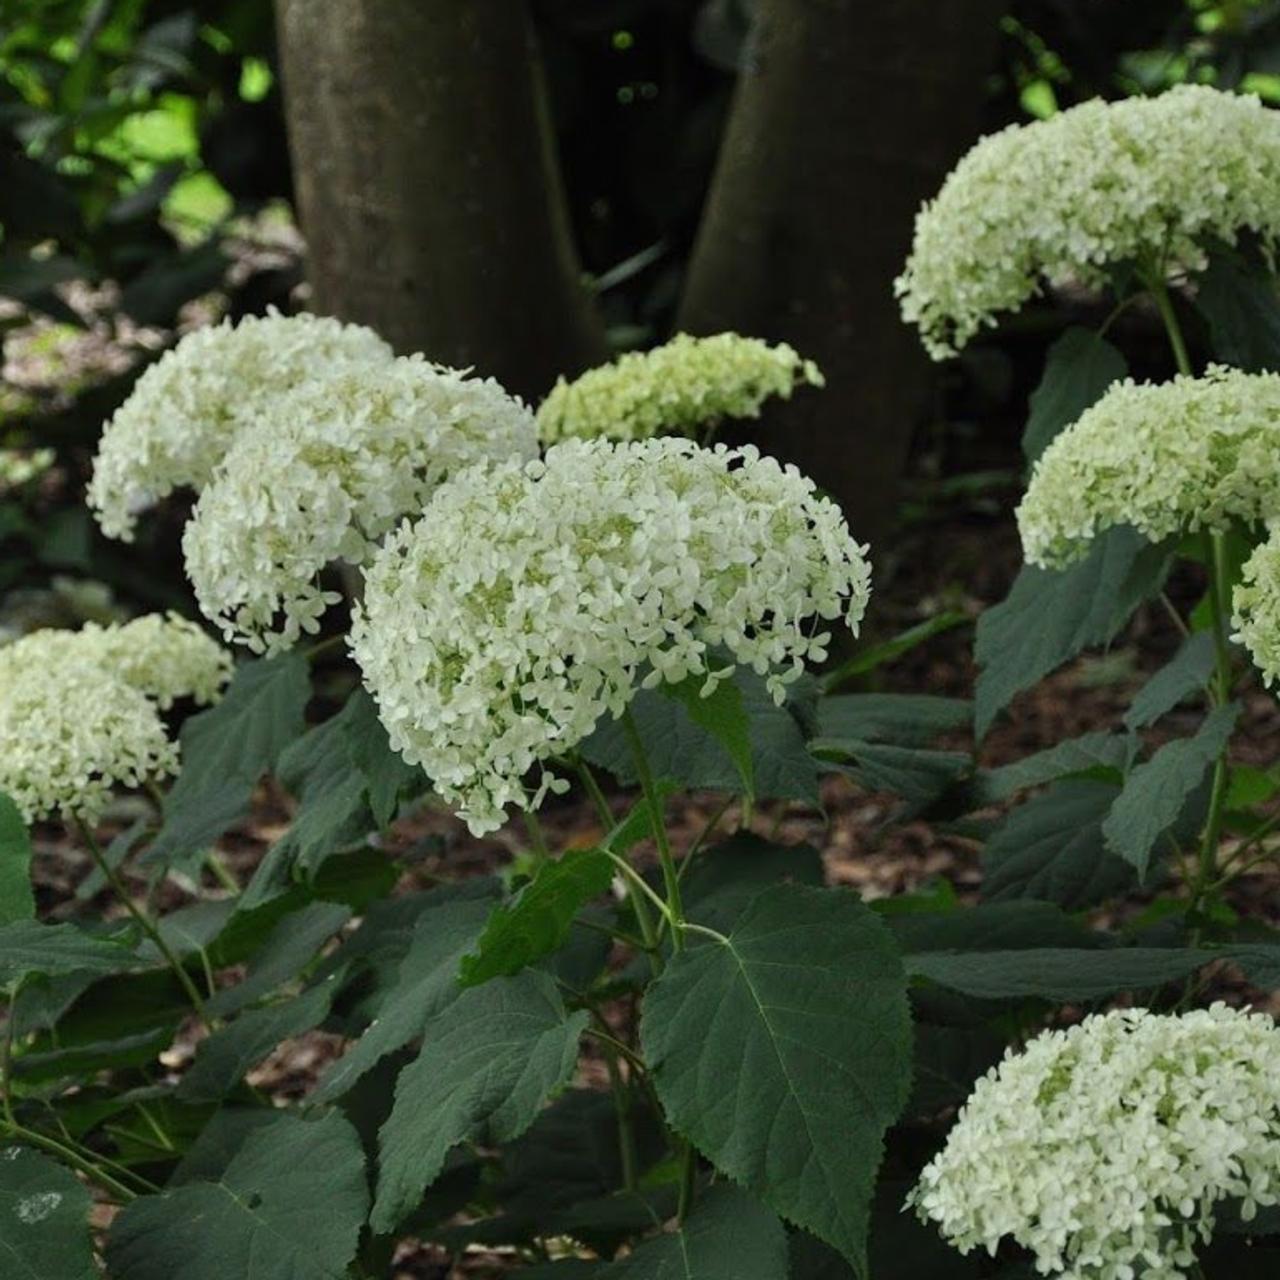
x=661, y=1052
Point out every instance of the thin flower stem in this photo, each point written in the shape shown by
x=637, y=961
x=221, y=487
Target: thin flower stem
x=1220, y=689
x=644, y=921
x=536, y=836
x=688, y=1180
x=324, y=646
x=637, y=881
x=222, y=873
x=671, y=880
x=705, y=834
x=144, y=922
x=622, y=1050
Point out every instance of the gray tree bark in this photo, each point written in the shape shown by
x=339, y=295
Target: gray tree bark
x=847, y=116
x=428, y=184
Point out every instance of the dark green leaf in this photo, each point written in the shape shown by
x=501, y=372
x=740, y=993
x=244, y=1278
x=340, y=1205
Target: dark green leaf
x=1243, y=311
x=488, y=1063
x=724, y=878
x=783, y=1053
x=427, y=983
x=1080, y=366
x=908, y=719
x=289, y=1206
x=1086, y=754
x=947, y=1062
x=17, y=901
x=225, y=1056
x=28, y=947
x=728, y=1236
x=219, y=1142
x=570, y=1154
x=226, y=749
x=1054, y=974
x=537, y=920
x=1188, y=673
x=387, y=776
x=1053, y=848
x=44, y=1220
x=990, y=926
x=720, y=713
x=878, y=655
x=919, y=775
x=1049, y=617
x=682, y=750
x=1156, y=792
x=292, y=945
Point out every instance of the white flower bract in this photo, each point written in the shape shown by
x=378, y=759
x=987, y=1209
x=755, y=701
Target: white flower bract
x=186, y=410
x=679, y=388
x=80, y=710
x=528, y=602
x=323, y=473
x=1140, y=180
x=1166, y=458
x=1106, y=1149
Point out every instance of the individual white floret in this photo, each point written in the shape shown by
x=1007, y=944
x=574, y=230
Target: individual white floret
x=1108, y=1149
x=186, y=410
x=1166, y=458
x=681, y=388
x=530, y=601
x=1142, y=180
x=322, y=474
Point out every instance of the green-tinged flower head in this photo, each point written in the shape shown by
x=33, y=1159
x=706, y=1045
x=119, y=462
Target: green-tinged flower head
x=1166, y=458
x=531, y=600
x=680, y=388
x=323, y=473
x=186, y=410
x=1142, y=180
x=80, y=710
x=1256, y=608
x=1106, y=1149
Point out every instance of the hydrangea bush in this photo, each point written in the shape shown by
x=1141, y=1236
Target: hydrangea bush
x=657, y=1052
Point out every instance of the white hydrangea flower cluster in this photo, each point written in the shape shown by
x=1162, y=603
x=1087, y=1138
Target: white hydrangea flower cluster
x=19, y=467
x=1102, y=183
x=186, y=410
x=529, y=601
x=1105, y=1149
x=680, y=388
x=1193, y=453
x=323, y=474
x=1256, y=608
x=80, y=710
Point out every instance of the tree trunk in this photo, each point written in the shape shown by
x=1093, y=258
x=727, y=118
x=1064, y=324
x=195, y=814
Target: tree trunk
x=846, y=117
x=428, y=183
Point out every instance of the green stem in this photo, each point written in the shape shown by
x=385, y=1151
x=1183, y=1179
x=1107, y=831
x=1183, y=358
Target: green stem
x=89, y=1167
x=536, y=836
x=644, y=921
x=145, y=923
x=1220, y=689
x=1159, y=291
x=622, y=1110
x=6, y=1053
x=688, y=1181
x=324, y=646
x=222, y=873
x=636, y=882
x=670, y=877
